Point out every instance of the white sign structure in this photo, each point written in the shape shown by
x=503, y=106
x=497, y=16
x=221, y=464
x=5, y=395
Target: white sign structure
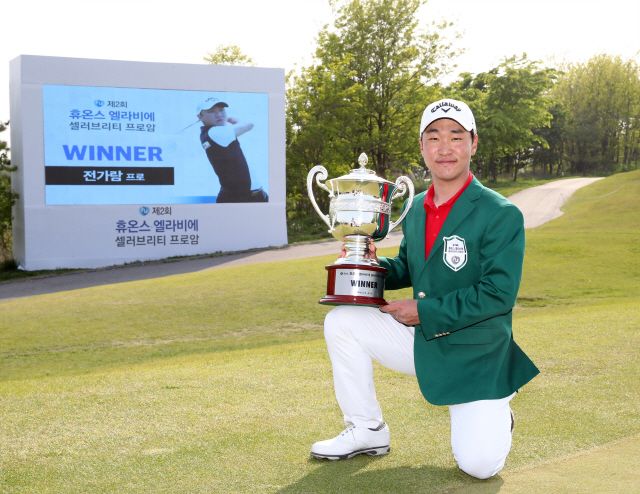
x=132, y=161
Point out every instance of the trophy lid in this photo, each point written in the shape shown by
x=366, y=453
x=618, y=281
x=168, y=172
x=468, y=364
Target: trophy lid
x=362, y=173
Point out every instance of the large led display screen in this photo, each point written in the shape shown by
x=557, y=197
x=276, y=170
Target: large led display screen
x=110, y=146
x=121, y=162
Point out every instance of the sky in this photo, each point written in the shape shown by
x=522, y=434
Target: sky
x=281, y=33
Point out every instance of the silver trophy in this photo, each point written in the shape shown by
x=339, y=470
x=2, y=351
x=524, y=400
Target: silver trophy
x=359, y=214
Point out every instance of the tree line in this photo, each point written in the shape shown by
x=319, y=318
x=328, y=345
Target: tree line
x=375, y=69
x=8, y=198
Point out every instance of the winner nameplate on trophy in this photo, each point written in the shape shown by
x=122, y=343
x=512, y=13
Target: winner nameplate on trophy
x=359, y=214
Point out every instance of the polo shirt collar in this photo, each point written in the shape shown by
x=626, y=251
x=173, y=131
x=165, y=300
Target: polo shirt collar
x=428, y=200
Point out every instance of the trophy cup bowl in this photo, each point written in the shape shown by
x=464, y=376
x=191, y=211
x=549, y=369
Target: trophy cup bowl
x=359, y=214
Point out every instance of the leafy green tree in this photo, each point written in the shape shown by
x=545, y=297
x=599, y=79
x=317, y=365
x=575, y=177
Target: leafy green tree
x=390, y=65
x=317, y=114
x=603, y=96
x=228, y=55
x=555, y=135
x=373, y=74
x=8, y=198
x=508, y=103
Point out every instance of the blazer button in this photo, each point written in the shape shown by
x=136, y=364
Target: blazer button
x=421, y=295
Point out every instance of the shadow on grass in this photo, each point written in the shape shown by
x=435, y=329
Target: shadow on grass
x=343, y=477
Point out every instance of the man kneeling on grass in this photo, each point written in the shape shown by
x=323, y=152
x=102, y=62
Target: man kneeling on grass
x=462, y=253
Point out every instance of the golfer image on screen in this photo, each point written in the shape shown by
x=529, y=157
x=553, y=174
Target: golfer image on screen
x=219, y=138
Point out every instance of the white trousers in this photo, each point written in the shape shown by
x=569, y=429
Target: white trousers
x=480, y=430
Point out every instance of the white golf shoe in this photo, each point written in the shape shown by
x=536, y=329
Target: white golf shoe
x=354, y=441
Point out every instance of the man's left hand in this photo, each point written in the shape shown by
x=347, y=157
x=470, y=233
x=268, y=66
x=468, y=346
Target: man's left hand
x=403, y=311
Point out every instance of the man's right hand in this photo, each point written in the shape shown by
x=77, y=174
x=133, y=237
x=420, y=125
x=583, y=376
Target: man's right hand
x=370, y=253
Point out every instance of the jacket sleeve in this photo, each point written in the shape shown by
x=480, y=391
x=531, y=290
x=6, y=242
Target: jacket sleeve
x=398, y=275
x=501, y=259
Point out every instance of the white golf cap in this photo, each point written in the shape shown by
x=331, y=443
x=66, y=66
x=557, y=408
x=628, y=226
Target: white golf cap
x=449, y=108
x=210, y=103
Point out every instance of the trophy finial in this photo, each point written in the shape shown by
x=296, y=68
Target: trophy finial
x=363, y=160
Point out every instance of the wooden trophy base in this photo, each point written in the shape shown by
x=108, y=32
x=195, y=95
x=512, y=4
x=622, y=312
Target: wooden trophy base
x=355, y=284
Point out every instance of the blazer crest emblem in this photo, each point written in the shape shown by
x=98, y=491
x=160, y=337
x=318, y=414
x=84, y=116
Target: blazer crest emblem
x=454, y=252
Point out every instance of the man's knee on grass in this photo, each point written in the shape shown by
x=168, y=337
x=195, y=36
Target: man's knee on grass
x=480, y=466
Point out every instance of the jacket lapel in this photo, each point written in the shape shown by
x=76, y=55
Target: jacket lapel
x=418, y=225
x=460, y=210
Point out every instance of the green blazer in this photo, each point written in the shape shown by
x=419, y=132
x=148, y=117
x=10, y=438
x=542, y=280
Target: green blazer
x=464, y=349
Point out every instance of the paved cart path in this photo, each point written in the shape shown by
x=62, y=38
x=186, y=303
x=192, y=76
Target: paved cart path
x=542, y=203
x=538, y=204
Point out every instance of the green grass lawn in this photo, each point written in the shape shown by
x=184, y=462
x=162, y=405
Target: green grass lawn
x=508, y=187
x=219, y=381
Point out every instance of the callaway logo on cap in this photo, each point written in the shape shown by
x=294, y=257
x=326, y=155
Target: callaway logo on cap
x=448, y=108
x=210, y=103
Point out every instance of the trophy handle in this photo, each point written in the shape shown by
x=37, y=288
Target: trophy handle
x=402, y=188
x=322, y=175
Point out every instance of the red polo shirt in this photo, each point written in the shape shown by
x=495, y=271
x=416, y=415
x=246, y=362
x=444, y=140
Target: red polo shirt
x=436, y=216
